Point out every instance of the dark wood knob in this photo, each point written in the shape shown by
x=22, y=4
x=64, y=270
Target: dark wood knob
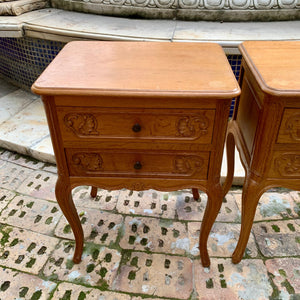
x=136, y=127
x=137, y=165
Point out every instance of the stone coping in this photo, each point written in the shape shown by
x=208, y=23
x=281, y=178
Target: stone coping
x=65, y=26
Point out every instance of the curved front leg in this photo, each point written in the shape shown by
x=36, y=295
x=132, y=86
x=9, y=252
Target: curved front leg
x=214, y=203
x=65, y=201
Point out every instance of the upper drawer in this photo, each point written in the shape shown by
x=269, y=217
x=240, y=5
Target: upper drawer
x=289, y=131
x=146, y=124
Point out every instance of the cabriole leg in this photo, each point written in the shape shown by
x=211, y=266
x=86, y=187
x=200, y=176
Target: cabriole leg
x=65, y=201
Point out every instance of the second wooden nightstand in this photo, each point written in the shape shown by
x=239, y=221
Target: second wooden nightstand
x=266, y=126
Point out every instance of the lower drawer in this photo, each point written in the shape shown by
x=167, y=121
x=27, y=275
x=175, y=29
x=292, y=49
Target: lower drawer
x=285, y=165
x=87, y=162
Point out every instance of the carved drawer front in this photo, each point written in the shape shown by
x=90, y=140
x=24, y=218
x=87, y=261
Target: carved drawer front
x=289, y=131
x=171, y=124
x=87, y=162
x=285, y=165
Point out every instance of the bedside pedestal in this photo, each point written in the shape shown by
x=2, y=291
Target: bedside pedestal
x=138, y=116
x=266, y=125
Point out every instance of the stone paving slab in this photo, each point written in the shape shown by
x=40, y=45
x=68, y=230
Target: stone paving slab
x=39, y=184
x=247, y=280
x=5, y=197
x=72, y=291
x=222, y=240
x=17, y=285
x=156, y=275
x=71, y=24
x=2, y=163
x=278, y=238
x=99, y=265
x=13, y=103
x=155, y=235
x=20, y=132
x=105, y=200
x=50, y=168
x=147, y=203
x=34, y=214
x=21, y=160
x=12, y=175
x=193, y=210
x=98, y=226
x=166, y=236
x=286, y=276
x=141, y=298
x=273, y=206
x=296, y=196
x=24, y=250
x=43, y=150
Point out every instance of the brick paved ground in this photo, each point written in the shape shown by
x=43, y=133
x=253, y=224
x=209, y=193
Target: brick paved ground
x=139, y=244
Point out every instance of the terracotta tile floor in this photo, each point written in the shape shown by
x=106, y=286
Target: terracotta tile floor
x=139, y=244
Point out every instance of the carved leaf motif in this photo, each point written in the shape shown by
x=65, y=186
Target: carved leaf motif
x=292, y=127
x=88, y=161
x=288, y=165
x=187, y=164
x=192, y=126
x=82, y=124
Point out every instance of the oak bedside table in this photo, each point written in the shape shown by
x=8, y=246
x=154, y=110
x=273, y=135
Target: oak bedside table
x=138, y=115
x=266, y=125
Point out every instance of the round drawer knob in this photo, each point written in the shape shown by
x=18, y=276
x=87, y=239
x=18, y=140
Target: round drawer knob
x=137, y=165
x=136, y=127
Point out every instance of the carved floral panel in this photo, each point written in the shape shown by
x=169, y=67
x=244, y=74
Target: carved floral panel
x=288, y=165
x=292, y=127
x=289, y=131
x=187, y=164
x=88, y=161
x=192, y=126
x=82, y=124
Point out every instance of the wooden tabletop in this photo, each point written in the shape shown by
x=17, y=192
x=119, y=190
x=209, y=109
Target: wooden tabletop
x=139, y=68
x=275, y=64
